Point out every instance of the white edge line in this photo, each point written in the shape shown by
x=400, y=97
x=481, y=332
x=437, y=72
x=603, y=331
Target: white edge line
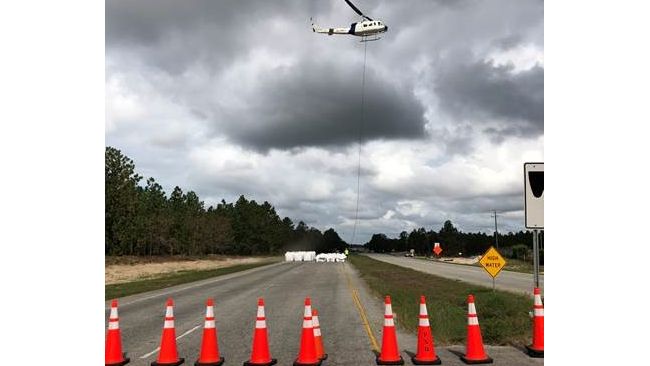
x=177, y=338
x=151, y=353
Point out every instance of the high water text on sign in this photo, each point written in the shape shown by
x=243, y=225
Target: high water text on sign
x=492, y=262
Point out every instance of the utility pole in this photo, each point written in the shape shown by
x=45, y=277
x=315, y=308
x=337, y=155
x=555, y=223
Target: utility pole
x=496, y=231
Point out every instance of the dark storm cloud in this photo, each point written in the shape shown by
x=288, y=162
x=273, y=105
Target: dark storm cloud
x=304, y=108
x=316, y=103
x=173, y=35
x=483, y=91
x=250, y=76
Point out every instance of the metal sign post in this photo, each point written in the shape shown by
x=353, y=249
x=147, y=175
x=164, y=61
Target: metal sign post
x=534, y=208
x=536, y=257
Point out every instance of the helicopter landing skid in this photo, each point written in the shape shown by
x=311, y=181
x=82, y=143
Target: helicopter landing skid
x=370, y=39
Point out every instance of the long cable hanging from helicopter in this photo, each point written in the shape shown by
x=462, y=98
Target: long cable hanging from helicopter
x=363, y=93
x=369, y=30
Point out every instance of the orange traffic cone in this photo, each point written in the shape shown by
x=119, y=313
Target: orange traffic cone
x=168, y=355
x=389, y=349
x=318, y=339
x=114, y=355
x=307, y=353
x=474, y=352
x=260, y=355
x=537, y=348
x=426, y=354
x=209, y=346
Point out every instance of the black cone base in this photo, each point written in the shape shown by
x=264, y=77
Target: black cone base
x=535, y=353
x=218, y=363
x=317, y=363
x=180, y=361
x=121, y=363
x=421, y=362
x=398, y=362
x=476, y=362
x=273, y=362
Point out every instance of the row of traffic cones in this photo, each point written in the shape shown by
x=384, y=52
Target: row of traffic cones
x=474, y=350
x=311, y=352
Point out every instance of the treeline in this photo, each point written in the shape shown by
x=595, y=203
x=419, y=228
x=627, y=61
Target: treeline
x=140, y=219
x=455, y=243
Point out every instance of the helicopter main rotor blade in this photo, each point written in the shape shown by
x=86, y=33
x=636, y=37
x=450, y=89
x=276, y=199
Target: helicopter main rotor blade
x=357, y=10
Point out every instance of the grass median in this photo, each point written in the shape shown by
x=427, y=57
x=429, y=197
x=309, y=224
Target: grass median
x=503, y=316
x=167, y=280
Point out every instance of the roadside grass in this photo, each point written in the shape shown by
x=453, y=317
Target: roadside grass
x=513, y=265
x=135, y=287
x=518, y=265
x=144, y=259
x=504, y=317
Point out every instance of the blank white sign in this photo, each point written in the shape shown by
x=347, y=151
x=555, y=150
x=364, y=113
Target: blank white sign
x=534, y=195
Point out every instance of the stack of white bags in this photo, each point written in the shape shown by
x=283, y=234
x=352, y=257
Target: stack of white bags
x=299, y=256
x=311, y=256
x=331, y=257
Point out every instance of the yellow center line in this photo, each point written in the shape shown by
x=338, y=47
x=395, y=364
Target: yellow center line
x=362, y=312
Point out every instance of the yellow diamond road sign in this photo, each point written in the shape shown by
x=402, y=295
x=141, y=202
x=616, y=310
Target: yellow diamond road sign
x=492, y=262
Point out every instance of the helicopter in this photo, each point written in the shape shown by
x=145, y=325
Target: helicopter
x=365, y=29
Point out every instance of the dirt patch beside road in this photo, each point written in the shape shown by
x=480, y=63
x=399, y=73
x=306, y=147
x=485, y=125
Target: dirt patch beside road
x=130, y=269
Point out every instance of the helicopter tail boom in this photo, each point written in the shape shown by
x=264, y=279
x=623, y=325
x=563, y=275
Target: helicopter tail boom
x=330, y=31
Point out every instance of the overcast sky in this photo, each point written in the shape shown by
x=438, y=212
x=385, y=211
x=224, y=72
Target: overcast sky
x=240, y=97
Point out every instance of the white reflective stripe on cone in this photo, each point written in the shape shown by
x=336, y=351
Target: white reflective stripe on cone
x=169, y=324
x=316, y=332
x=209, y=312
x=471, y=308
x=538, y=300
x=314, y=320
x=539, y=312
x=113, y=313
x=259, y=324
x=308, y=311
x=113, y=325
x=472, y=320
x=209, y=324
x=389, y=310
x=388, y=322
x=260, y=311
x=169, y=312
x=307, y=324
x=424, y=322
x=423, y=309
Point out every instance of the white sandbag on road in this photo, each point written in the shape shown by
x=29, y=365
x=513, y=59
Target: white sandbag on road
x=299, y=256
x=331, y=257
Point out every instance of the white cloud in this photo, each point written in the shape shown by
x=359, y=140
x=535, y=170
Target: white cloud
x=172, y=103
x=523, y=57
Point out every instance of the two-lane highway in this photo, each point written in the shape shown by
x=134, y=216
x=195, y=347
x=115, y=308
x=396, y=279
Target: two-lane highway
x=337, y=291
x=283, y=286
x=506, y=280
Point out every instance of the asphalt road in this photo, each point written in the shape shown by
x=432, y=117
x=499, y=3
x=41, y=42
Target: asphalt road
x=333, y=287
x=506, y=280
